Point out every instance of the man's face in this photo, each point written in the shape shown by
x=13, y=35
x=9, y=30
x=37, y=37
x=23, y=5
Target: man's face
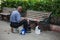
x=20, y=9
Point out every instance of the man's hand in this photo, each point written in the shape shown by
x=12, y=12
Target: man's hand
x=23, y=18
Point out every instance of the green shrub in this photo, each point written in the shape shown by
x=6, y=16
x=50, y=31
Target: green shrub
x=31, y=5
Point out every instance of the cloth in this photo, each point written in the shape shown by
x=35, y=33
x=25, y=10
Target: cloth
x=15, y=16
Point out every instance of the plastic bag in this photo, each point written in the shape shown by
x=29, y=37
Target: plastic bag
x=37, y=30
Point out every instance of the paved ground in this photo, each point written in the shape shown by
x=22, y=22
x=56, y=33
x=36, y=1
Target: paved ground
x=5, y=34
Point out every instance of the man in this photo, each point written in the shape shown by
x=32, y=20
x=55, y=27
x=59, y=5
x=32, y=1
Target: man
x=16, y=20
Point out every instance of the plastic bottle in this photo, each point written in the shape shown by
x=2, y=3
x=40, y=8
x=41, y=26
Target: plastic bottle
x=37, y=31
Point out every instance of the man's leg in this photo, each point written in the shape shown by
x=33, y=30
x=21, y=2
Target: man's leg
x=12, y=29
x=12, y=25
x=24, y=23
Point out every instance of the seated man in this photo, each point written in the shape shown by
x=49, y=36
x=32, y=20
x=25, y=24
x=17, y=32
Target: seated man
x=16, y=20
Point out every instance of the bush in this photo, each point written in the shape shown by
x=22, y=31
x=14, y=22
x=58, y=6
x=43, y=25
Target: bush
x=38, y=6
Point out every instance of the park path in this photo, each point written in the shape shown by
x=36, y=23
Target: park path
x=5, y=34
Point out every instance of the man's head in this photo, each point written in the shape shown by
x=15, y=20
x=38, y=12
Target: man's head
x=19, y=8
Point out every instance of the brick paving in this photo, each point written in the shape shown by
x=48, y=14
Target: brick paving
x=5, y=34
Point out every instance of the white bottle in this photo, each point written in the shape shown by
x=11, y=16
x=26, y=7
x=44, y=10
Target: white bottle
x=37, y=31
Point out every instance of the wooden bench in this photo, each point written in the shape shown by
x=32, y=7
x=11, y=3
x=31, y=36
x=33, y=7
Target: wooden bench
x=36, y=16
x=5, y=15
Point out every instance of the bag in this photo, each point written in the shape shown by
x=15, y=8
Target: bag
x=37, y=30
x=23, y=31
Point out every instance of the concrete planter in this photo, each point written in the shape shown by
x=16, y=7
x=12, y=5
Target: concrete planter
x=55, y=20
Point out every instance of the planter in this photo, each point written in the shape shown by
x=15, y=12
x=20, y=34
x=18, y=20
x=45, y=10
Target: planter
x=55, y=20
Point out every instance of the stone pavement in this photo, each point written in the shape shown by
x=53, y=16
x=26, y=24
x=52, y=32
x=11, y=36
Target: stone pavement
x=5, y=34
